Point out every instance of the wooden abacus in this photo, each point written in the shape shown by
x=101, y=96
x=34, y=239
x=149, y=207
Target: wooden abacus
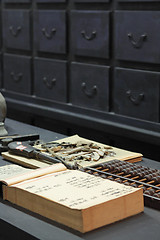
x=132, y=175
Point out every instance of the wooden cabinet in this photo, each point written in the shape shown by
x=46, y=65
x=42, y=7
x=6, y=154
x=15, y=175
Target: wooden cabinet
x=91, y=66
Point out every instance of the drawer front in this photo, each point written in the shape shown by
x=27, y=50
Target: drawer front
x=50, y=1
x=17, y=73
x=50, y=31
x=90, y=33
x=16, y=29
x=50, y=79
x=139, y=1
x=91, y=1
x=89, y=86
x=17, y=1
x=136, y=94
x=137, y=36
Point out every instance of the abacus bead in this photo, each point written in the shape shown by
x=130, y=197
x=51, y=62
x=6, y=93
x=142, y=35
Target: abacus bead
x=148, y=177
x=134, y=185
x=150, y=192
x=104, y=165
x=157, y=195
x=110, y=167
x=141, y=175
x=96, y=174
x=154, y=174
x=111, y=178
x=127, y=183
x=104, y=176
x=119, y=180
x=147, y=192
x=134, y=173
x=126, y=171
x=156, y=179
x=144, y=188
x=117, y=169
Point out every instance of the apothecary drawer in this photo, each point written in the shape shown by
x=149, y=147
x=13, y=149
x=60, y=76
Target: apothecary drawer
x=90, y=33
x=17, y=1
x=17, y=73
x=92, y=1
x=50, y=31
x=16, y=29
x=139, y=1
x=137, y=94
x=50, y=79
x=137, y=36
x=89, y=86
x=50, y=1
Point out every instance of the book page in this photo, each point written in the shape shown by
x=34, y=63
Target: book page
x=29, y=174
x=11, y=170
x=75, y=189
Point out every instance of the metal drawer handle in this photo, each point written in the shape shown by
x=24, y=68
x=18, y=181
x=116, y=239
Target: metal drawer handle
x=49, y=84
x=16, y=31
x=16, y=77
x=135, y=100
x=48, y=35
x=89, y=93
x=91, y=37
x=139, y=42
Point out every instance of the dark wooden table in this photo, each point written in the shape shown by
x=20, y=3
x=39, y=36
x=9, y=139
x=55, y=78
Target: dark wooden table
x=17, y=223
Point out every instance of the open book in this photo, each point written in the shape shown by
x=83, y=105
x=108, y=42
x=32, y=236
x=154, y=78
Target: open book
x=71, y=197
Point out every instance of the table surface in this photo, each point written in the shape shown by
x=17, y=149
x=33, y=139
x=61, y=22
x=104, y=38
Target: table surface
x=22, y=224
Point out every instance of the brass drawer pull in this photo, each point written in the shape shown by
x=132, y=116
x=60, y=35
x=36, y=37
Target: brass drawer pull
x=135, y=100
x=48, y=84
x=16, y=31
x=16, y=77
x=89, y=93
x=139, y=42
x=48, y=35
x=91, y=37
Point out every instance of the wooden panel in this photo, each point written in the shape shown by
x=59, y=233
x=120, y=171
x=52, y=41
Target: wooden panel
x=17, y=1
x=17, y=73
x=50, y=1
x=139, y=1
x=90, y=33
x=137, y=36
x=92, y=1
x=16, y=29
x=50, y=79
x=136, y=94
x=50, y=31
